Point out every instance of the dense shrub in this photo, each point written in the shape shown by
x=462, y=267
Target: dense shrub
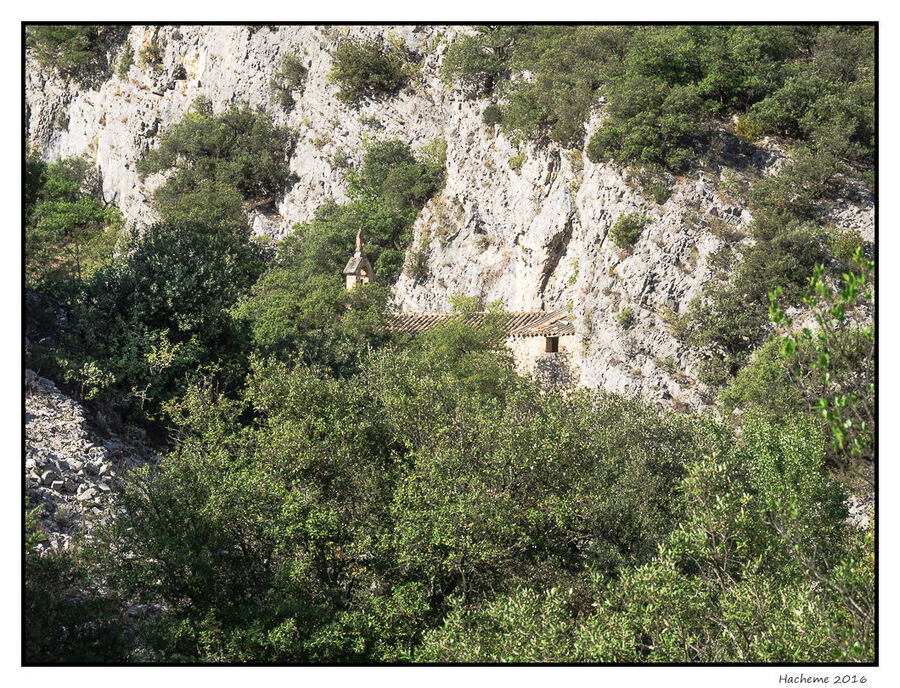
x=764, y=383
x=828, y=98
x=146, y=322
x=524, y=626
x=289, y=76
x=238, y=148
x=474, y=482
x=492, y=115
x=663, y=84
x=70, y=231
x=516, y=162
x=730, y=318
x=73, y=50
x=436, y=507
x=627, y=228
x=393, y=174
x=480, y=62
x=723, y=586
x=565, y=64
x=732, y=553
x=370, y=68
x=836, y=364
x=843, y=245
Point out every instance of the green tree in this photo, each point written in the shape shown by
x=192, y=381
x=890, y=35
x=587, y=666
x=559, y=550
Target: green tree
x=160, y=311
x=289, y=76
x=70, y=230
x=72, y=50
x=762, y=540
x=300, y=304
x=238, y=149
x=370, y=68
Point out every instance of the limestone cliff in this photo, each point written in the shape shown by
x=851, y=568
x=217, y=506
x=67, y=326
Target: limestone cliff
x=534, y=237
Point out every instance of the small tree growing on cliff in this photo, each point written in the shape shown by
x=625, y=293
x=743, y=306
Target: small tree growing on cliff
x=215, y=161
x=70, y=230
x=75, y=51
x=627, y=229
x=371, y=67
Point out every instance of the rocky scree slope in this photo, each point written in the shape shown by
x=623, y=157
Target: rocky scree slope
x=534, y=237
x=70, y=471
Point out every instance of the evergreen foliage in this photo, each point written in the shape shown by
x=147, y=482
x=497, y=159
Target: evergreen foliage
x=664, y=84
x=627, y=228
x=75, y=51
x=69, y=229
x=238, y=149
x=370, y=68
x=290, y=76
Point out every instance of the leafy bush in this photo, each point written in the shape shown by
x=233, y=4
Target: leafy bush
x=827, y=99
x=650, y=124
x=151, y=318
x=565, y=63
x=764, y=384
x=837, y=363
x=492, y=115
x=150, y=56
x=370, y=68
x=625, y=318
x=238, y=149
x=416, y=264
x=524, y=626
x=394, y=175
x=278, y=572
x=289, y=76
x=627, y=228
x=480, y=61
x=748, y=128
x=843, y=245
x=210, y=203
x=516, y=162
x=341, y=159
x=730, y=318
x=72, y=50
x=745, y=561
x=70, y=231
x=661, y=191
x=126, y=59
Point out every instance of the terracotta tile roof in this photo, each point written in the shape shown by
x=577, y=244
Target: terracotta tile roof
x=517, y=324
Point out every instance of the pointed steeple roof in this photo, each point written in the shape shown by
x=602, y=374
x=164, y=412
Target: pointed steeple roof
x=358, y=262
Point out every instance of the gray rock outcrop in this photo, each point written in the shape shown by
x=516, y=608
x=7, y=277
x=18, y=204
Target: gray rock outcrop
x=70, y=472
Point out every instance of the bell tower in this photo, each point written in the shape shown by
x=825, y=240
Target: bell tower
x=358, y=270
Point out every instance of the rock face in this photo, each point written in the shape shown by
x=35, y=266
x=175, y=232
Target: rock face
x=534, y=237
x=69, y=472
